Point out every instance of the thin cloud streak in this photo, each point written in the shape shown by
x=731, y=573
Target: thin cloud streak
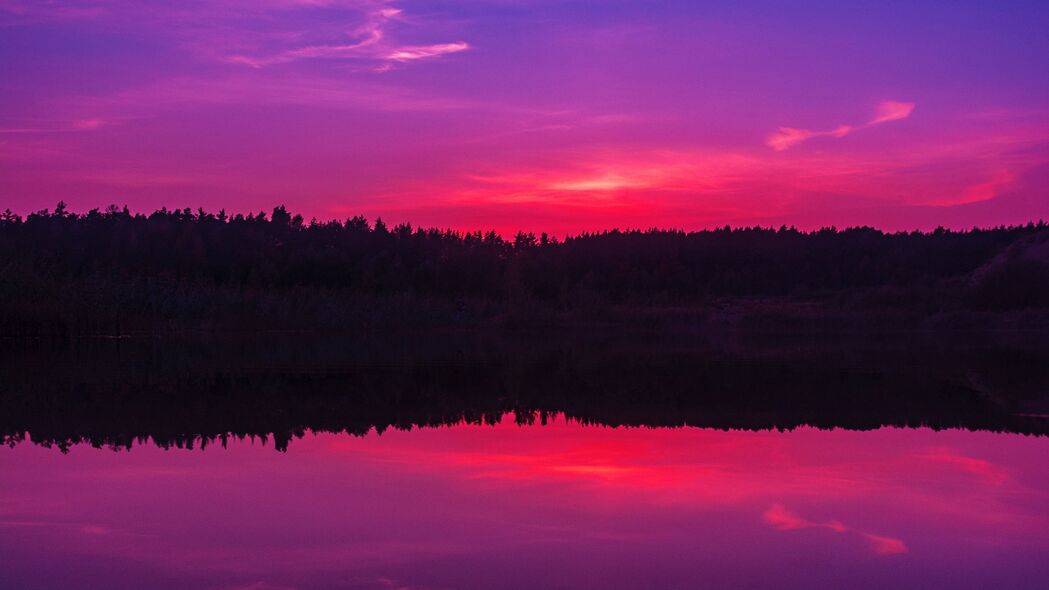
x=84, y=124
x=892, y=110
x=425, y=51
x=370, y=44
x=788, y=137
x=180, y=93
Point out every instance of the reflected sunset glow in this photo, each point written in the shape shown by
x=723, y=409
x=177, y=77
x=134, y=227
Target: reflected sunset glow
x=690, y=505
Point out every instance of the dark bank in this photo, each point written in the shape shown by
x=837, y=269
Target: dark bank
x=195, y=392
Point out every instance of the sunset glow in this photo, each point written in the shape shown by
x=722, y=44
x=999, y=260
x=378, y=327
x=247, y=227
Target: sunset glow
x=445, y=294
x=543, y=116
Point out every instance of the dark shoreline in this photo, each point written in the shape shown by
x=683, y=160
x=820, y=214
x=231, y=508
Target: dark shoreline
x=330, y=313
x=184, y=392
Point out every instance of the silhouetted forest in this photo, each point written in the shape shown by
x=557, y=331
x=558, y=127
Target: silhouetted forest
x=176, y=393
x=112, y=271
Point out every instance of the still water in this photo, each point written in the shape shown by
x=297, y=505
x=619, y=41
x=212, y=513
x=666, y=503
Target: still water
x=459, y=466
x=557, y=506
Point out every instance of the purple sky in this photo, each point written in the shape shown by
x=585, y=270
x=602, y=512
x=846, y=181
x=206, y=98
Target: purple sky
x=533, y=114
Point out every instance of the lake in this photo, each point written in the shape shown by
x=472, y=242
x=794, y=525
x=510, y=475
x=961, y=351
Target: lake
x=561, y=462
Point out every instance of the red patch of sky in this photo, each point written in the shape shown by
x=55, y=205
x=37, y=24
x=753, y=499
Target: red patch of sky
x=532, y=115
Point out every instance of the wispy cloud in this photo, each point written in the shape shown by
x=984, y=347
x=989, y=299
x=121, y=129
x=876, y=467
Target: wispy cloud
x=888, y=110
x=257, y=34
x=892, y=110
x=424, y=51
x=21, y=130
x=92, y=123
x=250, y=87
x=367, y=42
x=85, y=124
x=782, y=519
x=787, y=137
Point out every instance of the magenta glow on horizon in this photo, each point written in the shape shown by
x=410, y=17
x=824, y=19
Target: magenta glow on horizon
x=541, y=116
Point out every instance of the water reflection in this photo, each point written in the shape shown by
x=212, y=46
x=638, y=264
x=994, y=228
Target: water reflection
x=560, y=505
x=194, y=393
x=460, y=462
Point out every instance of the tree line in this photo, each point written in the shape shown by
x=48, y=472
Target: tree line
x=115, y=259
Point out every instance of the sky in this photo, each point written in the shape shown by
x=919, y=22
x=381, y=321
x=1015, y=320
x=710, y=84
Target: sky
x=539, y=115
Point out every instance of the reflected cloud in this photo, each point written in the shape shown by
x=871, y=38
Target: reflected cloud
x=886, y=545
x=262, y=586
x=782, y=519
x=981, y=468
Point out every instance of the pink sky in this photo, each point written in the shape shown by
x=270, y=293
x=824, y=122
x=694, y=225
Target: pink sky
x=536, y=115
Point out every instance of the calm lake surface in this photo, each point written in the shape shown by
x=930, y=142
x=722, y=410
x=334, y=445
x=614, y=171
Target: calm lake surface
x=342, y=468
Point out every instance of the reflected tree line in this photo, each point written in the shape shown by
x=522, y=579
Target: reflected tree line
x=191, y=395
x=112, y=271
